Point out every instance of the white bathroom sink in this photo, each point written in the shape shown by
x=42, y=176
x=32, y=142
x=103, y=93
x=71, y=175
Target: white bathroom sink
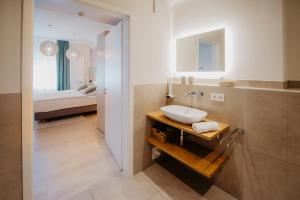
x=183, y=114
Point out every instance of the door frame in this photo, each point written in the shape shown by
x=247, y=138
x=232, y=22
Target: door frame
x=27, y=107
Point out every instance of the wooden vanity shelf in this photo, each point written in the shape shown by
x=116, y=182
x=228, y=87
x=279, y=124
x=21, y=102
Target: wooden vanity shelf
x=159, y=116
x=207, y=165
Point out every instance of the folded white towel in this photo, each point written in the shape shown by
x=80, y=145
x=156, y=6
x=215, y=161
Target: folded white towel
x=202, y=127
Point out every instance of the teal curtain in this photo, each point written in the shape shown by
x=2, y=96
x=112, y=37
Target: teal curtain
x=63, y=66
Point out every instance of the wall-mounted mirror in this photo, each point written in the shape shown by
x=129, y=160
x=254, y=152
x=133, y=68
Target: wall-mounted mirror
x=203, y=52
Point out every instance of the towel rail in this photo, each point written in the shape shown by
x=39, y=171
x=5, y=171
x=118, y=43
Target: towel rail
x=233, y=136
x=236, y=131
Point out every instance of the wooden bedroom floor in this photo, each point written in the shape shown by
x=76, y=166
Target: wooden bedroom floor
x=70, y=155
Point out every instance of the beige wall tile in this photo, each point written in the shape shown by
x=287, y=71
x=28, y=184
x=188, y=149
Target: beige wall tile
x=10, y=40
x=11, y=184
x=293, y=129
x=266, y=122
x=179, y=91
x=265, y=176
x=10, y=146
x=10, y=150
x=231, y=176
x=235, y=108
x=147, y=98
x=215, y=110
x=252, y=189
x=143, y=151
x=266, y=84
x=293, y=182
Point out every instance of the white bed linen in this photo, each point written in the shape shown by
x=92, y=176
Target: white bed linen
x=61, y=100
x=53, y=95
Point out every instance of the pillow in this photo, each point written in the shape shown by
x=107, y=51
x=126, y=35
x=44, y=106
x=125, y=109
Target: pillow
x=87, y=90
x=83, y=86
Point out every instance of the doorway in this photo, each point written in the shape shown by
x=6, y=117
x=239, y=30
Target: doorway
x=122, y=101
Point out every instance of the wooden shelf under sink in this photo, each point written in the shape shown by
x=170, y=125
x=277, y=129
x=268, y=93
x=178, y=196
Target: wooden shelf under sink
x=159, y=116
x=206, y=166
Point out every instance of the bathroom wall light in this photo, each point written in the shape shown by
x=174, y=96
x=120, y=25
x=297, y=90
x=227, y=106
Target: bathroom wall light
x=48, y=48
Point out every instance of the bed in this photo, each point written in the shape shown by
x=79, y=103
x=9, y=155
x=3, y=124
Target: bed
x=63, y=103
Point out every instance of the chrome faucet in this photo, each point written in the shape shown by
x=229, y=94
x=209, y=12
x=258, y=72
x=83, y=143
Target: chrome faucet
x=194, y=93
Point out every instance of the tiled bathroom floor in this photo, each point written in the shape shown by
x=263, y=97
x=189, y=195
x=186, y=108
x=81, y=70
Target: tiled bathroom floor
x=155, y=183
x=72, y=162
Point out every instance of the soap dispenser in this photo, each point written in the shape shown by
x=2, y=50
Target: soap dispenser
x=170, y=96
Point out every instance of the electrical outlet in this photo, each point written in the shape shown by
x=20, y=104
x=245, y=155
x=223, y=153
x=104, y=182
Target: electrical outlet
x=217, y=97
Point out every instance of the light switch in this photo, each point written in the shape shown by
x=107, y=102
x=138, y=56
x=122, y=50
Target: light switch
x=217, y=97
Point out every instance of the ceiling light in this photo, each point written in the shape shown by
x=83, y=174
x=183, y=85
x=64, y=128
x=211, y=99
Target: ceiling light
x=72, y=54
x=48, y=48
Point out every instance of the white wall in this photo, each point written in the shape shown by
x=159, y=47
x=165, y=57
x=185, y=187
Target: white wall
x=79, y=68
x=254, y=34
x=10, y=51
x=150, y=36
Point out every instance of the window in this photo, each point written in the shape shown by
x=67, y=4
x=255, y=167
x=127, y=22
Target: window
x=44, y=69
